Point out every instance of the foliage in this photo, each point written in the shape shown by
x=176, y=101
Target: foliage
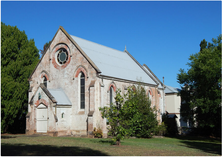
x=201, y=88
x=98, y=132
x=132, y=115
x=115, y=118
x=161, y=129
x=45, y=47
x=171, y=125
x=19, y=57
x=140, y=118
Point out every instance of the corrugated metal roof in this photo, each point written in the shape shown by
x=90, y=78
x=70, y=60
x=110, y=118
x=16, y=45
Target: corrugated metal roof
x=149, y=71
x=60, y=96
x=113, y=63
x=170, y=89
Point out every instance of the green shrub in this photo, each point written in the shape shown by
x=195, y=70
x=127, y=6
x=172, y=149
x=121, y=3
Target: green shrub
x=98, y=132
x=160, y=129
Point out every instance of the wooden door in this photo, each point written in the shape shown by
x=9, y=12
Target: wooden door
x=41, y=118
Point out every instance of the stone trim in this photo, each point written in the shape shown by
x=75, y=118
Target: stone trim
x=81, y=69
x=81, y=112
x=46, y=74
x=149, y=91
x=41, y=101
x=90, y=113
x=113, y=85
x=54, y=57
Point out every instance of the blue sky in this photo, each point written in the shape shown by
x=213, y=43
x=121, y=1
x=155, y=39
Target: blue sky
x=160, y=34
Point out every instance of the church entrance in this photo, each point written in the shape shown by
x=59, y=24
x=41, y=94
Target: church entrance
x=41, y=119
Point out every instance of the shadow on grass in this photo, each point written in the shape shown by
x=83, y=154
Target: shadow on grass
x=47, y=150
x=204, y=144
x=5, y=137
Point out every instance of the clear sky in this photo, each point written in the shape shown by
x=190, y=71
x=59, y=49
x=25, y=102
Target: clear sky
x=160, y=34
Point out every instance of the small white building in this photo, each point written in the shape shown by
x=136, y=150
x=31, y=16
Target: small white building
x=74, y=78
x=173, y=101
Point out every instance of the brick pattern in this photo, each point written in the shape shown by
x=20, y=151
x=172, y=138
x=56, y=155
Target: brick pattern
x=41, y=101
x=54, y=57
x=81, y=69
x=44, y=74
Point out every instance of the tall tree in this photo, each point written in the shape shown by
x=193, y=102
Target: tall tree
x=201, y=87
x=19, y=56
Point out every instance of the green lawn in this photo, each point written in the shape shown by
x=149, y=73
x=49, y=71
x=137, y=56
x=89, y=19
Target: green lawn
x=61, y=146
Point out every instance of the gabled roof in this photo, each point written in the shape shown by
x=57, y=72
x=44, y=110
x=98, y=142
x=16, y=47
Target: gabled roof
x=42, y=86
x=109, y=62
x=170, y=89
x=57, y=96
x=114, y=63
x=71, y=39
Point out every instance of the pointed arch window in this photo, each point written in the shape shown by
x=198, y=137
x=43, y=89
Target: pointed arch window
x=82, y=91
x=45, y=81
x=111, y=95
x=149, y=95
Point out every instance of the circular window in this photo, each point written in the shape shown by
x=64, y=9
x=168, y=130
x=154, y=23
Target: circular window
x=62, y=56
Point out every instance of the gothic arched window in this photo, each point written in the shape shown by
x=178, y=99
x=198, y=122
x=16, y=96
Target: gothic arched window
x=45, y=81
x=111, y=95
x=82, y=91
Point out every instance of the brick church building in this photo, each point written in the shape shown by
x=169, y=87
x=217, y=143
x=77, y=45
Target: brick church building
x=74, y=78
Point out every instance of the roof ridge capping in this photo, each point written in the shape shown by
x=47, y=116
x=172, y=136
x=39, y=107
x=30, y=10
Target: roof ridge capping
x=141, y=67
x=144, y=65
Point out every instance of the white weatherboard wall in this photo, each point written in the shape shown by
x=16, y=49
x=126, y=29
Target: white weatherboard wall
x=173, y=102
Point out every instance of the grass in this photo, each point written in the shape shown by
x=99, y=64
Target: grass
x=72, y=146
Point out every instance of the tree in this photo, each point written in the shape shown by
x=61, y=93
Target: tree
x=114, y=114
x=19, y=56
x=201, y=87
x=45, y=47
x=140, y=117
x=131, y=115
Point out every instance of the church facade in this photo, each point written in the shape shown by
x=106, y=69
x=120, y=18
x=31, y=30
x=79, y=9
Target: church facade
x=74, y=78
